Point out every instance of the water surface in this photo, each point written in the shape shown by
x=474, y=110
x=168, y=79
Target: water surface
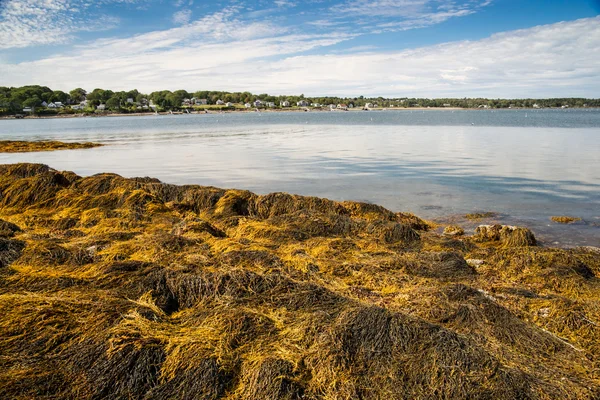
x=527, y=165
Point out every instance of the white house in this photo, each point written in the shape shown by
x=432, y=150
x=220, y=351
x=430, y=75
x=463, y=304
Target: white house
x=369, y=105
x=270, y=104
x=302, y=103
x=284, y=104
x=44, y=104
x=101, y=107
x=220, y=102
x=536, y=105
x=229, y=104
x=350, y=105
x=58, y=104
x=248, y=105
x=76, y=107
x=52, y=105
x=130, y=100
x=28, y=109
x=201, y=102
x=258, y=103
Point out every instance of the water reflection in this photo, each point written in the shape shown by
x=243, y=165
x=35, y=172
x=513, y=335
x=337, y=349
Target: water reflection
x=434, y=164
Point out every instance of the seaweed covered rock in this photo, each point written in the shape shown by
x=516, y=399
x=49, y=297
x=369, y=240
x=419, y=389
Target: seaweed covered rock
x=510, y=236
x=119, y=288
x=8, y=229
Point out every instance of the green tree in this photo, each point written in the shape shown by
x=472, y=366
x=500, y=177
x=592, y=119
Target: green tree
x=78, y=94
x=114, y=103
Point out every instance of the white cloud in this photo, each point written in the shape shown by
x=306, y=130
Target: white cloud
x=395, y=15
x=553, y=60
x=25, y=23
x=182, y=17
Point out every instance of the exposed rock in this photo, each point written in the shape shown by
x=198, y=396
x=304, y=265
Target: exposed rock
x=454, y=230
x=510, y=236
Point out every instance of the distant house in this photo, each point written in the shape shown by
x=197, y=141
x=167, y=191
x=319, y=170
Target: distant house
x=28, y=109
x=130, y=100
x=101, y=107
x=342, y=106
x=229, y=104
x=350, y=105
x=565, y=106
x=258, y=103
x=52, y=105
x=284, y=103
x=58, y=104
x=248, y=105
x=201, y=102
x=270, y=104
x=84, y=104
x=44, y=104
x=76, y=107
x=186, y=102
x=369, y=105
x=303, y=103
x=220, y=102
x=536, y=106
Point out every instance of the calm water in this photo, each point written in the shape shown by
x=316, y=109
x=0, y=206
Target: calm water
x=525, y=165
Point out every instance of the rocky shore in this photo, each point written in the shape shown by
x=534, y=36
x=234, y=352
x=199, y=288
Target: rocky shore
x=22, y=146
x=120, y=288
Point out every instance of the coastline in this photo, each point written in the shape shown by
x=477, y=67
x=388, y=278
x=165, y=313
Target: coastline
x=299, y=110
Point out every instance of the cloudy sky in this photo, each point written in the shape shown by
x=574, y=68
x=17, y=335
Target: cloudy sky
x=432, y=48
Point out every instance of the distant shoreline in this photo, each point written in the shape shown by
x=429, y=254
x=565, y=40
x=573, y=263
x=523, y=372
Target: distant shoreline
x=100, y=115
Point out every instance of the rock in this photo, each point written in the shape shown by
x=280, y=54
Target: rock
x=475, y=262
x=8, y=229
x=509, y=236
x=453, y=230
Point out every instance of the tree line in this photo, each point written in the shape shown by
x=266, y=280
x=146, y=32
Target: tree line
x=14, y=99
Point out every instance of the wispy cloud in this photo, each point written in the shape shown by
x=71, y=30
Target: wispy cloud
x=553, y=60
x=25, y=23
x=182, y=17
x=394, y=15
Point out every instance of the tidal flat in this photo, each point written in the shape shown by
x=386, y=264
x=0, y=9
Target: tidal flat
x=118, y=287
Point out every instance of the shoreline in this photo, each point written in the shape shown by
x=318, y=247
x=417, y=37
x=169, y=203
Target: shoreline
x=299, y=110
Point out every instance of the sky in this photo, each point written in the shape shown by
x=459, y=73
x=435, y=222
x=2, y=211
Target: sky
x=390, y=48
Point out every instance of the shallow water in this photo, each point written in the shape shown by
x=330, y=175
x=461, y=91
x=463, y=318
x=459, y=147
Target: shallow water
x=527, y=165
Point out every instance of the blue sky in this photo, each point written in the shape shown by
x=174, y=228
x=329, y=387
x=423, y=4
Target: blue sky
x=433, y=48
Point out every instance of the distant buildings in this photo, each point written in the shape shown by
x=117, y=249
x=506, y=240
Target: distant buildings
x=220, y=103
x=303, y=103
x=284, y=103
